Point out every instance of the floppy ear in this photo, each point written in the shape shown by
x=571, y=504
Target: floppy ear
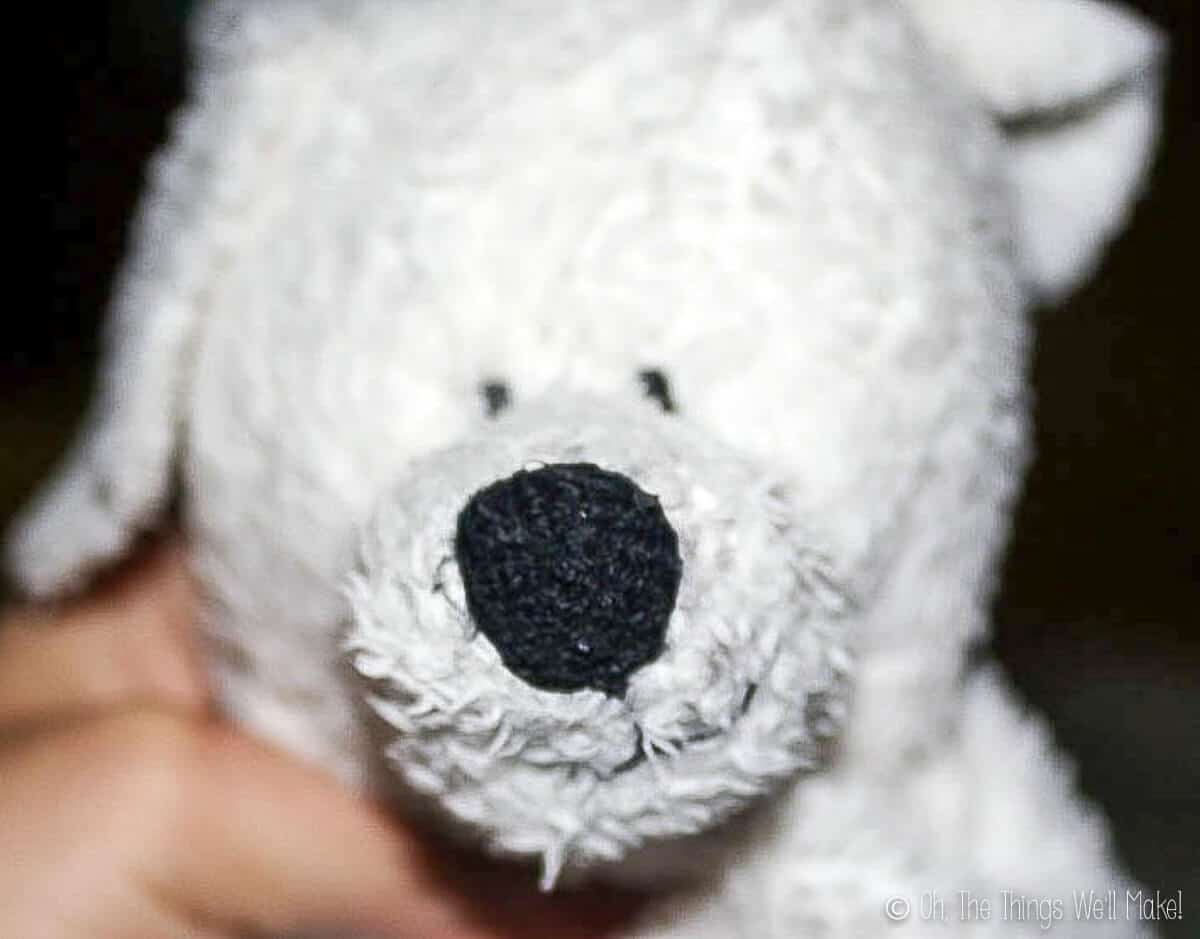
x=1075, y=88
x=116, y=480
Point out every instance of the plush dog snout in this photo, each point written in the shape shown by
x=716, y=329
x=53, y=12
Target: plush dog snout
x=571, y=571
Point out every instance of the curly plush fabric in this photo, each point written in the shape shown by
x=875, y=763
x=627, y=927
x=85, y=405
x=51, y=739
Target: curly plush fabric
x=571, y=571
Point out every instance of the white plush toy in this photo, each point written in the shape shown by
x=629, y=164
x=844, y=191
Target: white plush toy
x=606, y=414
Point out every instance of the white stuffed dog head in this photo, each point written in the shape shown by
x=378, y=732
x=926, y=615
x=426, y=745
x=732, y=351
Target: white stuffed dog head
x=629, y=366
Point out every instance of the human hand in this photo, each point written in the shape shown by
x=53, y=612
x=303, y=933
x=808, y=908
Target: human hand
x=128, y=811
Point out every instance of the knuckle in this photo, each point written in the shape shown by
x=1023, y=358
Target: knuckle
x=139, y=762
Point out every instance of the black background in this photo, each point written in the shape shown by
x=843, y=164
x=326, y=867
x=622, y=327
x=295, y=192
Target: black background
x=1097, y=616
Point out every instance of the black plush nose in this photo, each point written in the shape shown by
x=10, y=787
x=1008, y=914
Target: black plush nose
x=571, y=571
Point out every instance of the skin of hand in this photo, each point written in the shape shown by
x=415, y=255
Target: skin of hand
x=129, y=810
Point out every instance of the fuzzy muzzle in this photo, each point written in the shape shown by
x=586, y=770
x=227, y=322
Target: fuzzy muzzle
x=591, y=626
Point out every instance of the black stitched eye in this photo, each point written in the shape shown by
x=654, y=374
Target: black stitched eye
x=496, y=396
x=656, y=386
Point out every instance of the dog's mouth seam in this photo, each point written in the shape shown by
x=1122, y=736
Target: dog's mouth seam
x=676, y=746
x=638, y=757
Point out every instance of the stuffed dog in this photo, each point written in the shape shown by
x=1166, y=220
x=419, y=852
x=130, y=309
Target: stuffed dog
x=596, y=426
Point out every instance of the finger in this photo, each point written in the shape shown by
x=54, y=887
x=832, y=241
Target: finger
x=219, y=832
x=129, y=641
x=261, y=841
x=323, y=857
x=80, y=805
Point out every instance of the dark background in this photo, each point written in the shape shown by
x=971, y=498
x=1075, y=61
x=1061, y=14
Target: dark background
x=1097, y=616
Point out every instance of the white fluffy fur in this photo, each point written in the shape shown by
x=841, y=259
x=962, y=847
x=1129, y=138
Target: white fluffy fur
x=804, y=213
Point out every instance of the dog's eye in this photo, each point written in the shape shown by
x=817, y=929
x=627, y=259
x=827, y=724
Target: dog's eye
x=496, y=396
x=655, y=384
